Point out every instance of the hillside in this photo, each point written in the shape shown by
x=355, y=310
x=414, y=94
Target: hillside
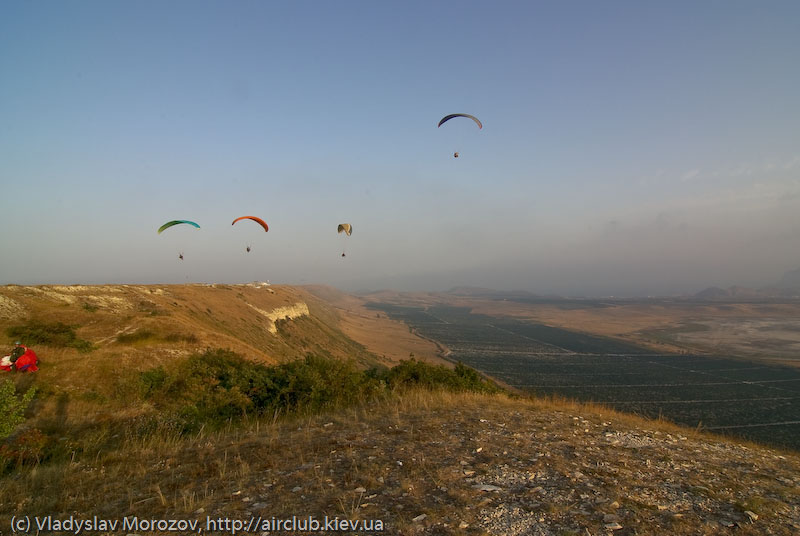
x=110, y=433
x=271, y=324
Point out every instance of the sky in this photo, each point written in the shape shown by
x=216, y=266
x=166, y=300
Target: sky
x=627, y=148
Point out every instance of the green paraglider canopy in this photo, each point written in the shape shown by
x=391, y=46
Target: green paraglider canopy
x=175, y=222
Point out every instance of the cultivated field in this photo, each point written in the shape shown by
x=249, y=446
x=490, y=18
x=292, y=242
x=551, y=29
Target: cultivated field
x=755, y=400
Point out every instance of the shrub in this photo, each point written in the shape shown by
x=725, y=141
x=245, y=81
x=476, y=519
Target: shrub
x=26, y=448
x=219, y=385
x=12, y=408
x=57, y=334
x=413, y=373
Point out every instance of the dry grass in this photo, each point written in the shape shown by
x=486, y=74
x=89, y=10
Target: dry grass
x=562, y=465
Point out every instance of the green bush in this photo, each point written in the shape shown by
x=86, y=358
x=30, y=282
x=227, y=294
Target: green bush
x=218, y=385
x=56, y=334
x=12, y=407
x=413, y=373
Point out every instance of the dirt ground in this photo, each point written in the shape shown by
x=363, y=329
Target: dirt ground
x=387, y=338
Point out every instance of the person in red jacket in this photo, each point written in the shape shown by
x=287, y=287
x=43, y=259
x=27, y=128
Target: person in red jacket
x=27, y=361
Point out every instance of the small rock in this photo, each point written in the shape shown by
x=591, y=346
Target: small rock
x=296, y=489
x=327, y=424
x=199, y=510
x=751, y=515
x=463, y=525
x=399, y=463
x=614, y=505
x=419, y=518
x=478, y=449
x=613, y=526
x=487, y=487
x=360, y=490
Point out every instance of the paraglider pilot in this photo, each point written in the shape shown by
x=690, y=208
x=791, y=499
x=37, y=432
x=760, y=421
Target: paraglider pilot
x=17, y=352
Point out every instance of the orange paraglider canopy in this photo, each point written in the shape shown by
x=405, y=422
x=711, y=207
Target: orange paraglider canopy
x=256, y=219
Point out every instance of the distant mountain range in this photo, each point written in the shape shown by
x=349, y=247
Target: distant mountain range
x=787, y=287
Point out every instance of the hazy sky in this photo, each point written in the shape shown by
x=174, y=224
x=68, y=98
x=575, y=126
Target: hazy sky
x=627, y=148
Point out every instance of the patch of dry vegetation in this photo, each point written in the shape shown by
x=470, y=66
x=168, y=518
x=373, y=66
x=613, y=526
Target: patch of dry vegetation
x=438, y=463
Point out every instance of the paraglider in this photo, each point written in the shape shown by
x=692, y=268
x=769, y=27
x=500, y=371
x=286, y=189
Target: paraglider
x=173, y=223
x=451, y=116
x=256, y=219
x=345, y=228
x=259, y=221
x=447, y=118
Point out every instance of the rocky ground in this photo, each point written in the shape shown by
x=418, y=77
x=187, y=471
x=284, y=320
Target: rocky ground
x=463, y=464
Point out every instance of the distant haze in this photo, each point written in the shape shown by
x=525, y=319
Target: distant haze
x=626, y=149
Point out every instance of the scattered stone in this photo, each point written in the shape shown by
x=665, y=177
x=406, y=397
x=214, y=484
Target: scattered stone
x=419, y=518
x=296, y=489
x=613, y=526
x=751, y=515
x=487, y=487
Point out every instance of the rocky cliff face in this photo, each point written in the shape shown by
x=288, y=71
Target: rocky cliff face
x=289, y=312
